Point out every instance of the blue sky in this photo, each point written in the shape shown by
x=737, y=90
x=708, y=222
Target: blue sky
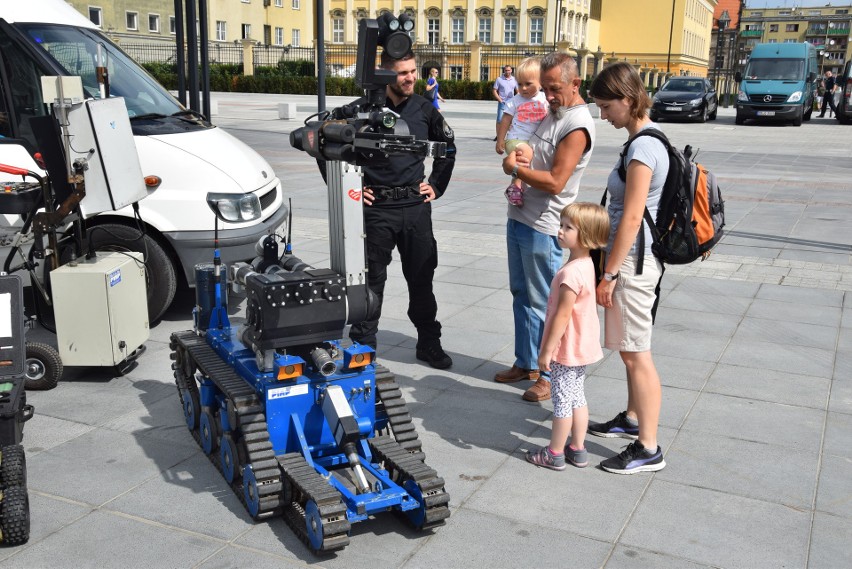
x=792, y=3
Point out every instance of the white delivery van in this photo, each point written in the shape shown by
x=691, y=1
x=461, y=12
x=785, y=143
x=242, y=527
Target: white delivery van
x=189, y=155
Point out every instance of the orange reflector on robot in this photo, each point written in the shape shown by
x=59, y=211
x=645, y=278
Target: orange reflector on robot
x=360, y=360
x=289, y=371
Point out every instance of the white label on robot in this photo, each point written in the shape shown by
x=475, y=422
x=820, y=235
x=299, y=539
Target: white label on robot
x=115, y=277
x=5, y=315
x=279, y=392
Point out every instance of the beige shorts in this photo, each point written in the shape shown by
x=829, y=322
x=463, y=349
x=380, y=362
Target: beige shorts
x=628, y=324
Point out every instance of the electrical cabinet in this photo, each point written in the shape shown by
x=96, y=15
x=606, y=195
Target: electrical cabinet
x=101, y=309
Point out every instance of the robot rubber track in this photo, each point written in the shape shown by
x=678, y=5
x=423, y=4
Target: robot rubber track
x=287, y=484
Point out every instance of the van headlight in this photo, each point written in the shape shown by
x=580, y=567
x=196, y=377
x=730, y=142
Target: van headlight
x=795, y=97
x=741, y=96
x=234, y=207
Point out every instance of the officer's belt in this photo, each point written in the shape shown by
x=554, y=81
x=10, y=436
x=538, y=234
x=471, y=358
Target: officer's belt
x=395, y=193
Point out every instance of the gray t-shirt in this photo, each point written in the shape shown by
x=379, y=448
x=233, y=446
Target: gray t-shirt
x=541, y=210
x=652, y=153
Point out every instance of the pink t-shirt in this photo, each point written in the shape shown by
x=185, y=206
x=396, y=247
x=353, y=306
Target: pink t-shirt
x=581, y=343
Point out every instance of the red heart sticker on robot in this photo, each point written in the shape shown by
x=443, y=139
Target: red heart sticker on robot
x=355, y=194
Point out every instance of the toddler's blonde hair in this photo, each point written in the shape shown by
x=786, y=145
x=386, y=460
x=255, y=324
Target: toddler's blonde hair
x=529, y=66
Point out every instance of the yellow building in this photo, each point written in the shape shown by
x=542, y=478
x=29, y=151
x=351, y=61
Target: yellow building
x=660, y=36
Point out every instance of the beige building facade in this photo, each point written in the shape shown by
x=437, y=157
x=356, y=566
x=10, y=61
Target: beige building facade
x=465, y=39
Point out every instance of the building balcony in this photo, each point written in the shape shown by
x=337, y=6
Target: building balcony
x=751, y=33
x=830, y=32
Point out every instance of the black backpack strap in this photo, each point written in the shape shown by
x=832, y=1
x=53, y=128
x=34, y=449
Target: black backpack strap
x=622, y=173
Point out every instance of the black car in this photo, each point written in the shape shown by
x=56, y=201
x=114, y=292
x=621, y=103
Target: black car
x=844, y=85
x=688, y=98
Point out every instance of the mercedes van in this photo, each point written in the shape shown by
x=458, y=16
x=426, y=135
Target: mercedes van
x=190, y=156
x=778, y=83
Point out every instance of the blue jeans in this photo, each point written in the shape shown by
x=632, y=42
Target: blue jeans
x=500, y=107
x=534, y=258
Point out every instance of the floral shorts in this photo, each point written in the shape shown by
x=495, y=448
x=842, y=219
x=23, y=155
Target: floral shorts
x=566, y=389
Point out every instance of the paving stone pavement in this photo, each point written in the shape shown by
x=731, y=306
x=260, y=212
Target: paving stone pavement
x=754, y=347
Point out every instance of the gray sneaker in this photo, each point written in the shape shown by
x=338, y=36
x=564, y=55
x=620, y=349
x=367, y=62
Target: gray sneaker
x=579, y=458
x=544, y=458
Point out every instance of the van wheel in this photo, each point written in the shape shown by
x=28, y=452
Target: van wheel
x=739, y=119
x=798, y=120
x=159, y=271
x=808, y=113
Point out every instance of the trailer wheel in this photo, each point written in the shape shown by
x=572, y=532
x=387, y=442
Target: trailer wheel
x=159, y=270
x=43, y=367
x=14, y=516
x=13, y=466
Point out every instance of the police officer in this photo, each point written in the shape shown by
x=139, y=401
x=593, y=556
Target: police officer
x=398, y=213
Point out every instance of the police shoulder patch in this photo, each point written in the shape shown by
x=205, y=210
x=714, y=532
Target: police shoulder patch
x=448, y=132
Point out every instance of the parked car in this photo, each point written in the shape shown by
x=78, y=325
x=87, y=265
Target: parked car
x=844, y=85
x=690, y=98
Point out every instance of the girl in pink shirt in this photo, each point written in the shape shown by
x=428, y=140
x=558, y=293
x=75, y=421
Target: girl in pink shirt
x=571, y=338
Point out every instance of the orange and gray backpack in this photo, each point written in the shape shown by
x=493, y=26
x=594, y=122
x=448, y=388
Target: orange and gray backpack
x=691, y=213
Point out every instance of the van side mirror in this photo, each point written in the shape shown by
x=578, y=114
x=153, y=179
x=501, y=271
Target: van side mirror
x=738, y=77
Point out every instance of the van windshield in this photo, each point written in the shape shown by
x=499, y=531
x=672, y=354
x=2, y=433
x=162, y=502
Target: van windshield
x=776, y=69
x=75, y=50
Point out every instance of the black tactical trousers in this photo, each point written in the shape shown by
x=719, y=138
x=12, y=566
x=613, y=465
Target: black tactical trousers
x=409, y=229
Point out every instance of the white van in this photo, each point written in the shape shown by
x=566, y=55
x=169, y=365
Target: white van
x=190, y=156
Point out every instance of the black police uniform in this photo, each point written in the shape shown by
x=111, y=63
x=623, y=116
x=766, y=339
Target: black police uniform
x=399, y=218
x=828, y=96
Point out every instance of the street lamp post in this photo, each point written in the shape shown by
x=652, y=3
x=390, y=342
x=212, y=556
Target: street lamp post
x=722, y=23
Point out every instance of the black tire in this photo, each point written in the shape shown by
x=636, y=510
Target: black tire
x=43, y=367
x=13, y=466
x=159, y=270
x=808, y=113
x=739, y=119
x=712, y=116
x=702, y=118
x=14, y=516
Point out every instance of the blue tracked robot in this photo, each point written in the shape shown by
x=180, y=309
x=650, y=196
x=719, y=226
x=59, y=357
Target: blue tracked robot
x=300, y=422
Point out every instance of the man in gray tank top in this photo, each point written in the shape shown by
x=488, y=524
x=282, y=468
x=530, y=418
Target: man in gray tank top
x=562, y=146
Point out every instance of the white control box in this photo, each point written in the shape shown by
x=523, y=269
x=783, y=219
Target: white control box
x=101, y=309
x=100, y=131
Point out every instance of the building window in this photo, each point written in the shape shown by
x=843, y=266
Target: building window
x=96, y=16
x=221, y=30
x=337, y=30
x=484, y=73
x=784, y=12
x=773, y=27
x=433, y=31
x=246, y=1
x=279, y=3
x=279, y=36
x=456, y=72
x=154, y=23
x=246, y=31
x=172, y=25
x=536, y=31
x=792, y=28
x=485, y=30
x=131, y=20
x=510, y=30
x=296, y=5
x=772, y=41
x=458, y=30
x=296, y=38
x=793, y=40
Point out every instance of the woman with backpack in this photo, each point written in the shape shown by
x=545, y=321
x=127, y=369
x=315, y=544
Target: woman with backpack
x=629, y=287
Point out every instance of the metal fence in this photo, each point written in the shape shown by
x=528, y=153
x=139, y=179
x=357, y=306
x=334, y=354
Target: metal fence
x=495, y=57
x=453, y=61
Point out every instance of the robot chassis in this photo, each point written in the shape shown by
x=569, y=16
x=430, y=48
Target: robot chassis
x=300, y=422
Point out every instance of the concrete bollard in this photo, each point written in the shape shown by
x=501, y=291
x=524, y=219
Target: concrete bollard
x=286, y=111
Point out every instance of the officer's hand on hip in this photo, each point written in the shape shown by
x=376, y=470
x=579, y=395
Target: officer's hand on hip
x=428, y=191
x=367, y=194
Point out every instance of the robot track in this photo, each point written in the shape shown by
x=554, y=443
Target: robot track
x=312, y=508
x=243, y=454
x=391, y=405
